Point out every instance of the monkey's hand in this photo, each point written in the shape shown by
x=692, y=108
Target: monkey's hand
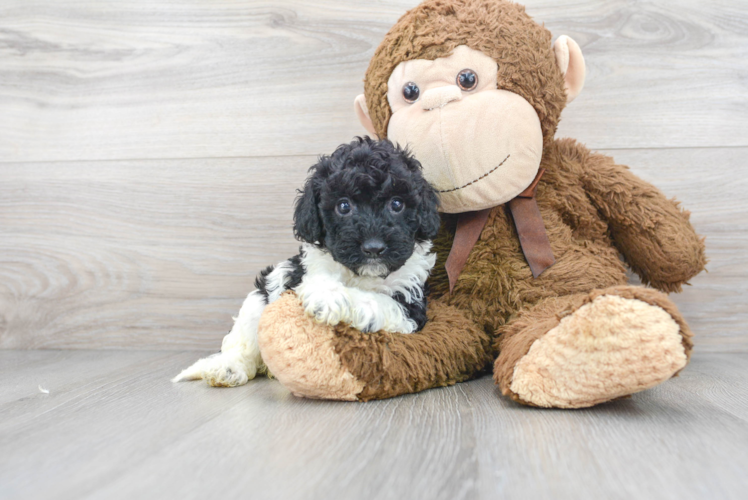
x=653, y=233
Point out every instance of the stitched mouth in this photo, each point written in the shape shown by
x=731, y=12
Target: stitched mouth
x=476, y=180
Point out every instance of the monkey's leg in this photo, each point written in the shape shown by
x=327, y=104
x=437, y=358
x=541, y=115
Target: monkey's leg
x=318, y=361
x=581, y=350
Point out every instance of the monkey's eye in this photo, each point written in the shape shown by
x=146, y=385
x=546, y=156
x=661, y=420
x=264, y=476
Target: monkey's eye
x=397, y=205
x=343, y=207
x=467, y=79
x=411, y=92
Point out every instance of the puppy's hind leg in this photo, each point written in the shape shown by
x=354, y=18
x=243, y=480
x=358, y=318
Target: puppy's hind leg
x=239, y=360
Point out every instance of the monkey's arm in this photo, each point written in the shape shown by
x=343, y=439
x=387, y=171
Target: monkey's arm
x=653, y=233
x=316, y=360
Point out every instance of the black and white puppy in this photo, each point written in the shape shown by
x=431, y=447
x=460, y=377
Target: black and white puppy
x=365, y=218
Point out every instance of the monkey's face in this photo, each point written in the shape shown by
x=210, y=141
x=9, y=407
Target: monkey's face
x=479, y=146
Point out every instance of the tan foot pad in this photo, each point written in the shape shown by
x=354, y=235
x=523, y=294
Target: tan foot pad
x=606, y=349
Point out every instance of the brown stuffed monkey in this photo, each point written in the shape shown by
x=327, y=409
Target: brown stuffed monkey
x=529, y=281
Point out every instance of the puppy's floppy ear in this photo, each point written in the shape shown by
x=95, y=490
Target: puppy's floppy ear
x=307, y=225
x=428, y=214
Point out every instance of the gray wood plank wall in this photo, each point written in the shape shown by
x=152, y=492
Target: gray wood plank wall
x=149, y=150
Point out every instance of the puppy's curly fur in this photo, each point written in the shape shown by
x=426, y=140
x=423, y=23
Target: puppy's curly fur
x=369, y=174
x=365, y=217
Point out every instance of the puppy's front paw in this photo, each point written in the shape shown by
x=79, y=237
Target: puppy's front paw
x=402, y=326
x=218, y=370
x=328, y=306
x=379, y=312
x=407, y=326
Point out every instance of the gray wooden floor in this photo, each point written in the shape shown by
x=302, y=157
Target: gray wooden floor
x=113, y=426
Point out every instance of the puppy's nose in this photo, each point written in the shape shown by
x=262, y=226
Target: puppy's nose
x=373, y=247
x=440, y=97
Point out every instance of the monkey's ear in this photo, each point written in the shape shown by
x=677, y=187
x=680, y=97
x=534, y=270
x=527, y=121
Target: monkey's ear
x=307, y=225
x=362, y=111
x=571, y=63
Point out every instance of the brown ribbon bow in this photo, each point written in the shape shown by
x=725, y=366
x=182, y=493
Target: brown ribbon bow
x=530, y=228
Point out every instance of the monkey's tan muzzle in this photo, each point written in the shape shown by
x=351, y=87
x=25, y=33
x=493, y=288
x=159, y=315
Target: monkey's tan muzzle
x=440, y=96
x=478, y=150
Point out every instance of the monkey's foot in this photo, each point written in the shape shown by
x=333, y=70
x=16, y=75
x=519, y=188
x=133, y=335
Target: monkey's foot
x=609, y=347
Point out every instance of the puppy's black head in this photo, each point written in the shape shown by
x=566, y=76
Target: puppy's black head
x=368, y=205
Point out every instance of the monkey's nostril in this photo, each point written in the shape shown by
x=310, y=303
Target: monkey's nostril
x=374, y=247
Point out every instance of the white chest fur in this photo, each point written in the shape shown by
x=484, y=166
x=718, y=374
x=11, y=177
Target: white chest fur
x=407, y=280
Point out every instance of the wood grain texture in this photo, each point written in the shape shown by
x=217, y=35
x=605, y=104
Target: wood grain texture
x=113, y=427
x=85, y=80
x=160, y=254
x=128, y=254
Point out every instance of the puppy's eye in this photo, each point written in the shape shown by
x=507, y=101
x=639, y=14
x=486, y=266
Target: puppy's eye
x=397, y=205
x=467, y=79
x=343, y=207
x=411, y=92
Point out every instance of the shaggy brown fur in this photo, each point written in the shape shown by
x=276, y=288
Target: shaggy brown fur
x=593, y=210
x=499, y=29
x=449, y=349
